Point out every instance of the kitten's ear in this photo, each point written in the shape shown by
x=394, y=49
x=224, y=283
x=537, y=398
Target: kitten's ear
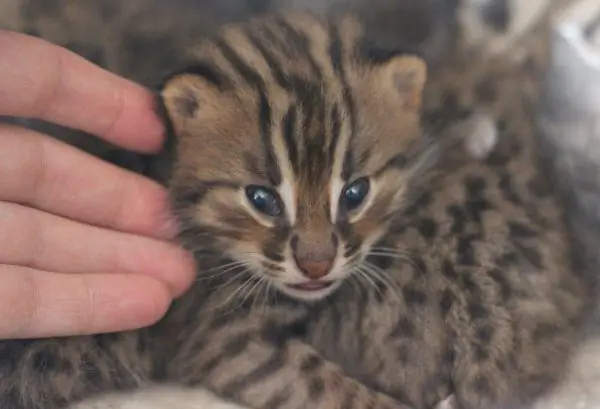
x=183, y=97
x=405, y=75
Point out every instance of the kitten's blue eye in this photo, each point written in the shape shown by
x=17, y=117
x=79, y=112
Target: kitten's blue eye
x=264, y=200
x=355, y=193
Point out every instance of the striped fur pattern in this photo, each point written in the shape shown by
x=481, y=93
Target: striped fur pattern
x=445, y=281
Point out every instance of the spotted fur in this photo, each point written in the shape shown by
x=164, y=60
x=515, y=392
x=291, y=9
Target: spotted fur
x=450, y=280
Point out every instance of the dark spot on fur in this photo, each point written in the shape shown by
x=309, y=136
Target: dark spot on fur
x=428, y=228
x=504, y=287
x=477, y=311
x=447, y=302
x=382, y=262
x=419, y=264
x=519, y=230
x=542, y=332
x=482, y=386
x=538, y=187
x=277, y=334
x=469, y=284
x=458, y=219
x=404, y=329
x=465, y=251
x=65, y=366
x=484, y=333
x=44, y=361
x=90, y=371
x=11, y=353
x=403, y=354
x=423, y=201
x=413, y=296
x=497, y=159
x=486, y=91
x=531, y=255
x=508, y=260
x=311, y=363
x=236, y=345
x=480, y=354
x=474, y=208
x=475, y=186
x=316, y=388
x=506, y=186
x=448, y=271
x=449, y=354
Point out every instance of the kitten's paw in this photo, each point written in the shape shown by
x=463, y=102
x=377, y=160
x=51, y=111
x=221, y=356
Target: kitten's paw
x=448, y=403
x=159, y=397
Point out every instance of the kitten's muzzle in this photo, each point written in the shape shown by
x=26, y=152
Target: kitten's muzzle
x=315, y=269
x=314, y=257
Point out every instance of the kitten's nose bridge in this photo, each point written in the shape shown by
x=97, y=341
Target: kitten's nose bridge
x=314, y=252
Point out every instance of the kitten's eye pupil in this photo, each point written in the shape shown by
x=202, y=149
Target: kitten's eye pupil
x=355, y=193
x=264, y=200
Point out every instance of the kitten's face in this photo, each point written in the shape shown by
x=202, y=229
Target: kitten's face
x=296, y=179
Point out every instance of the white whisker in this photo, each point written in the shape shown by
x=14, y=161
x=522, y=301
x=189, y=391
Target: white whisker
x=382, y=278
x=397, y=256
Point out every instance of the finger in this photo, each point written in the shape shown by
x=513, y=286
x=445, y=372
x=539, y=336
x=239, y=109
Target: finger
x=42, y=304
x=55, y=177
x=44, y=241
x=44, y=81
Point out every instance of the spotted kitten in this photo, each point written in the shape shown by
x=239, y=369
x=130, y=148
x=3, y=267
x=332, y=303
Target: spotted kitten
x=341, y=264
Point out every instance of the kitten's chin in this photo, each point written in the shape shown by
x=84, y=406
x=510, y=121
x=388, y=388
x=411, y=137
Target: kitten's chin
x=310, y=290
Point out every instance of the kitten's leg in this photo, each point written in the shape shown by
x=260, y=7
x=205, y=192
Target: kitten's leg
x=158, y=397
x=260, y=374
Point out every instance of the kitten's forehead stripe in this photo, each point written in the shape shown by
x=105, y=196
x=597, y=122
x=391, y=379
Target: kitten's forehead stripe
x=272, y=61
x=334, y=118
x=299, y=42
x=251, y=77
x=210, y=73
x=265, y=119
x=336, y=53
x=255, y=80
x=289, y=134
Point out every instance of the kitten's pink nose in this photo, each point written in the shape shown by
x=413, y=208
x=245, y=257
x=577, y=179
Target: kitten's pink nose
x=315, y=269
x=314, y=254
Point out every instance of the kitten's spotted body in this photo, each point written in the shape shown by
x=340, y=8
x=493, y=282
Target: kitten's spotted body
x=456, y=282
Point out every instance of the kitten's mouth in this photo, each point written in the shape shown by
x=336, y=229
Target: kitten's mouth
x=311, y=285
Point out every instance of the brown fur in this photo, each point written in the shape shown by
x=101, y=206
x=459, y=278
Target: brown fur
x=468, y=290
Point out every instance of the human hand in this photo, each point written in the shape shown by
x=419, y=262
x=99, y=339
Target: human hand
x=83, y=244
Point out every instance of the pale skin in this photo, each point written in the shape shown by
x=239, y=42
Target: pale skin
x=84, y=246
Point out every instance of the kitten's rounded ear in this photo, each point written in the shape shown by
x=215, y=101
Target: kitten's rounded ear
x=183, y=95
x=406, y=75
